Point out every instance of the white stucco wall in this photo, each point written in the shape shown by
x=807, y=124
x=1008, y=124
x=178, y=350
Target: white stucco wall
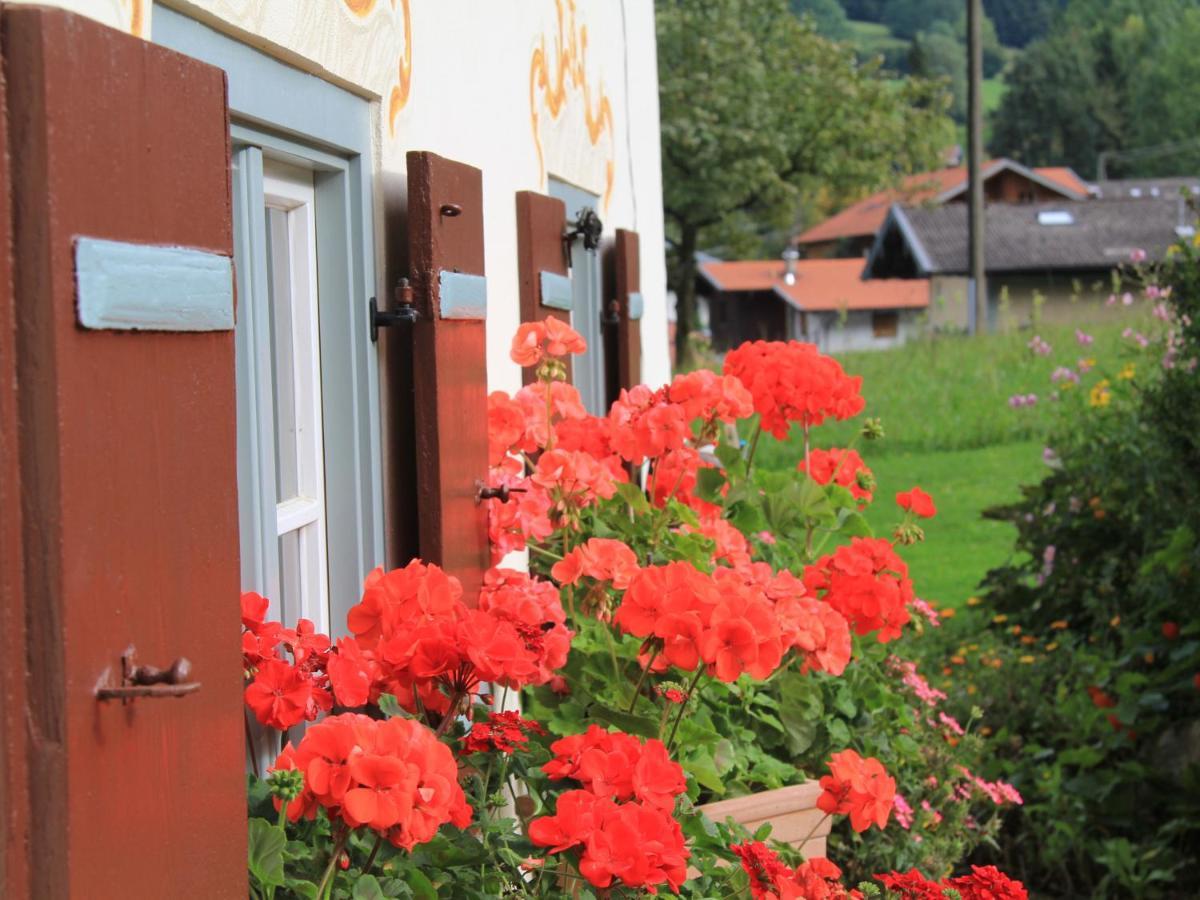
x=833, y=334
x=523, y=90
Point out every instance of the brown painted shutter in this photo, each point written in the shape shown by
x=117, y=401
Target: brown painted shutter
x=541, y=221
x=445, y=215
x=127, y=450
x=628, y=283
x=14, y=805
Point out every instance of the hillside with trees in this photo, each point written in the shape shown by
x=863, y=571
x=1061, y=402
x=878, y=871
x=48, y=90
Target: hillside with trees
x=1111, y=76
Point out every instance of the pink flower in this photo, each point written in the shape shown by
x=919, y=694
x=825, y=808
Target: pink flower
x=1137, y=256
x=1084, y=339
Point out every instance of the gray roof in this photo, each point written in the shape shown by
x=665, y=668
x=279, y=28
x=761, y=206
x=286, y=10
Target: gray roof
x=1093, y=235
x=1147, y=187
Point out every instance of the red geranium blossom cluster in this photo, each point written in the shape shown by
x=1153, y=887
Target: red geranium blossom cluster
x=793, y=382
x=534, y=341
x=843, y=467
x=617, y=765
x=984, y=883
x=503, y=732
x=639, y=844
x=282, y=693
x=689, y=619
x=771, y=879
x=413, y=637
x=860, y=787
x=867, y=583
x=393, y=776
x=601, y=559
x=705, y=395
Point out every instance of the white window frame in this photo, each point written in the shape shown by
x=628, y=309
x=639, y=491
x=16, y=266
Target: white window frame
x=289, y=190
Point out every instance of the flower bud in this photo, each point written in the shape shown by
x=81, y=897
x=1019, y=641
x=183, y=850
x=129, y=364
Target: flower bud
x=286, y=784
x=908, y=533
x=872, y=429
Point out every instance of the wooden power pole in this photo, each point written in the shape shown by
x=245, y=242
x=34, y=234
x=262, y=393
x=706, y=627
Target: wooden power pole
x=977, y=293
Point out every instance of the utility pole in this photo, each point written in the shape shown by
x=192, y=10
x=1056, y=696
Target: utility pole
x=977, y=292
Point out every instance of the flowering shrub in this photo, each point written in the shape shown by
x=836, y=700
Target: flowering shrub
x=1088, y=642
x=679, y=606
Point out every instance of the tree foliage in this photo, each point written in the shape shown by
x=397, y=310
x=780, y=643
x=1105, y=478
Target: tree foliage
x=759, y=114
x=1020, y=21
x=827, y=15
x=1111, y=75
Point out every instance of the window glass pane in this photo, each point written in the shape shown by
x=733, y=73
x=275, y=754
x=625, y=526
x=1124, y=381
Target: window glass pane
x=290, y=574
x=279, y=298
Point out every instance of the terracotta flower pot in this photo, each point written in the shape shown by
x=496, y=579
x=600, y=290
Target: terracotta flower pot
x=791, y=811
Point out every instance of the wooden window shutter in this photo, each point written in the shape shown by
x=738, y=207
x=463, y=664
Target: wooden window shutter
x=544, y=278
x=627, y=354
x=445, y=214
x=119, y=154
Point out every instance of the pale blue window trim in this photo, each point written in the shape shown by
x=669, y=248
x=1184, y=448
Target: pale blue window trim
x=283, y=113
x=586, y=302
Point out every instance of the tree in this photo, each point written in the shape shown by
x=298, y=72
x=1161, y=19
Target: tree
x=1020, y=21
x=907, y=17
x=759, y=114
x=827, y=15
x=1111, y=76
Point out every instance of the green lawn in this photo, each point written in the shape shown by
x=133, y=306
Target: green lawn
x=950, y=430
x=960, y=546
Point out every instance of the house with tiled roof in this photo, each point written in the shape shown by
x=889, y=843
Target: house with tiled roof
x=851, y=232
x=1043, y=256
x=823, y=301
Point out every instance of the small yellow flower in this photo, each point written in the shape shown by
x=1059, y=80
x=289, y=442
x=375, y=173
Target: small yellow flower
x=1114, y=621
x=1149, y=657
x=1059, y=624
x=973, y=601
x=1174, y=248
x=1088, y=363
x=1027, y=660
x=972, y=647
x=997, y=663
x=986, y=730
x=958, y=661
x=1015, y=630
x=1000, y=619
x=948, y=613
x=1100, y=395
x=1067, y=386
x=971, y=689
x=1052, y=646
x=1127, y=372
x=1028, y=639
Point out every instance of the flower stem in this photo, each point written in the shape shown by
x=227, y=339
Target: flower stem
x=684, y=704
x=642, y=680
x=451, y=713
x=374, y=850
x=549, y=554
x=325, y=888
x=753, y=446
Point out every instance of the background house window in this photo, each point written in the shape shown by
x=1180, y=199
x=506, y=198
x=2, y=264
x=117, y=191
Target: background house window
x=586, y=302
x=885, y=324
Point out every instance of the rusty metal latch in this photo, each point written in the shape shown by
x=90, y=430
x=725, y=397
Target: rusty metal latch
x=588, y=227
x=503, y=493
x=149, y=681
x=404, y=313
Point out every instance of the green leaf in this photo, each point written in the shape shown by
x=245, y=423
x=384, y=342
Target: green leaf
x=627, y=722
x=265, y=858
x=368, y=888
x=709, y=483
x=421, y=886
x=856, y=525
x=390, y=707
x=632, y=495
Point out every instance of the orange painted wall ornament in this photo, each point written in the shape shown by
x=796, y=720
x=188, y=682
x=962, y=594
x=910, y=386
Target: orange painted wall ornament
x=555, y=82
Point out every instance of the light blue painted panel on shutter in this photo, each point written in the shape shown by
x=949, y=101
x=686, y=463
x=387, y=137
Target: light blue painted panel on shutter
x=636, y=305
x=556, y=290
x=144, y=287
x=462, y=296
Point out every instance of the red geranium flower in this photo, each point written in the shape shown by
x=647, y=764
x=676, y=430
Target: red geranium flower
x=280, y=695
x=844, y=467
x=550, y=337
x=918, y=502
x=860, y=787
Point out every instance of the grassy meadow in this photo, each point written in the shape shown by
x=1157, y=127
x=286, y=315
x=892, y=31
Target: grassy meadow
x=949, y=429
